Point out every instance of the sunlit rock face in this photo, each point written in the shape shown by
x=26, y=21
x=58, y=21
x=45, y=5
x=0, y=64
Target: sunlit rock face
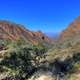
x=12, y=31
x=73, y=30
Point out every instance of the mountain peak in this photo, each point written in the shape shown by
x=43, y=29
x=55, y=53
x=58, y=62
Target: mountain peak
x=72, y=30
x=78, y=17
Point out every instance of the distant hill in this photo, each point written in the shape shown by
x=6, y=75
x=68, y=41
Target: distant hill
x=12, y=31
x=52, y=35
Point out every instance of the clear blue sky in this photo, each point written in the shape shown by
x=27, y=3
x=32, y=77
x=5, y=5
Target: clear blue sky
x=46, y=15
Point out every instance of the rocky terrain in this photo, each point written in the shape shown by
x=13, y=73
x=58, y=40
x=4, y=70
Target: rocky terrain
x=25, y=55
x=12, y=31
x=72, y=31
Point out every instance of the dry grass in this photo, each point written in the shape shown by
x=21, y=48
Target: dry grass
x=62, y=53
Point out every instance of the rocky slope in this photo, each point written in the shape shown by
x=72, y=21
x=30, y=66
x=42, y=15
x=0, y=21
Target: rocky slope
x=72, y=31
x=14, y=31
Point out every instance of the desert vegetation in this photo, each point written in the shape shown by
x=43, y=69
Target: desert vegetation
x=32, y=56
x=24, y=61
x=21, y=60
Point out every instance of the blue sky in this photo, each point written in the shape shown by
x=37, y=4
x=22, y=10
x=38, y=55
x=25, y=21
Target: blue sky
x=45, y=15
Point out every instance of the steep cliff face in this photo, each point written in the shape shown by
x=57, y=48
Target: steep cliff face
x=72, y=31
x=14, y=31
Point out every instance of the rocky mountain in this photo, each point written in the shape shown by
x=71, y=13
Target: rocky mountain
x=72, y=31
x=12, y=31
x=61, y=62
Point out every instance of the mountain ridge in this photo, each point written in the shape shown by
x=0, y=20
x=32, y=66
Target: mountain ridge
x=12, y=31
x=73, y=30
